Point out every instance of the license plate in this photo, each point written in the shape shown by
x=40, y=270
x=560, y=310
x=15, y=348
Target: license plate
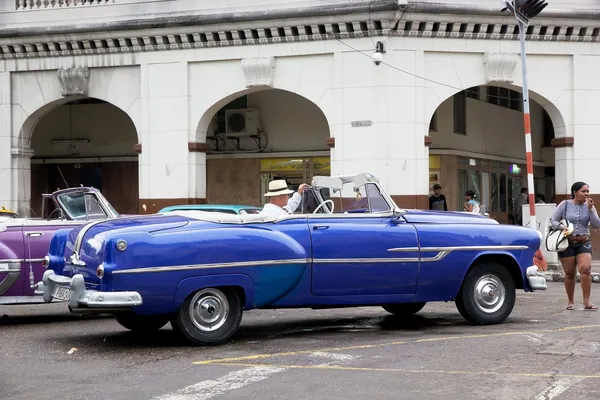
x=63, y=293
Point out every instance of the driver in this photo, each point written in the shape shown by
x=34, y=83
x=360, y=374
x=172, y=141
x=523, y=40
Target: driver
x=279, y=202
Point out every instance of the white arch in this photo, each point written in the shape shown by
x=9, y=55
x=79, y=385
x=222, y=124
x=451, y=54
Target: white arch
x=558, y=121
x=204, y=121
x=39, y=92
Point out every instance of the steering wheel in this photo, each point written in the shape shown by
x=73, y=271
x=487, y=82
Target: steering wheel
x=323, y=203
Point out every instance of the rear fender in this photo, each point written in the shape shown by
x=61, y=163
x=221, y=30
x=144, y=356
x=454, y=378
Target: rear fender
x=56, y=250
x=191, y=285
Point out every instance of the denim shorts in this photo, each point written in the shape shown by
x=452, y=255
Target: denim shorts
x=576, y=248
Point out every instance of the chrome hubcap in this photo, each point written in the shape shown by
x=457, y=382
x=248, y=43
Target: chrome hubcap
x=490, y=294
x=209, y=309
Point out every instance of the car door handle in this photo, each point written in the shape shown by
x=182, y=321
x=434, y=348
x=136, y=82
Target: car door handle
x=34, y=234
x=315, y=227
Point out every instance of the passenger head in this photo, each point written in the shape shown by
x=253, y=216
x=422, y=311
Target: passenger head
x=279, y=192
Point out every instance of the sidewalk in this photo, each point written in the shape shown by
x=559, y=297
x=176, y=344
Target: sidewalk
x=555, y=273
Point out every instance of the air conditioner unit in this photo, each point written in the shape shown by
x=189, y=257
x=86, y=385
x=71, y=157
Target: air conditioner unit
x=241, y=122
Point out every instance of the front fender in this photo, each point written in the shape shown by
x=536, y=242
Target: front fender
x=190, y=285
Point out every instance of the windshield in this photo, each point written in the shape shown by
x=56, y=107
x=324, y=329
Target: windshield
x=79, y=206
x=347, y=198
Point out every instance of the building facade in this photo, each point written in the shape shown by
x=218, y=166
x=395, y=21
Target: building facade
x=206, y=103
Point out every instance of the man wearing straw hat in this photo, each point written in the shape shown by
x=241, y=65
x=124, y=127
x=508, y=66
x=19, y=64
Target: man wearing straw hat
x=279, y=201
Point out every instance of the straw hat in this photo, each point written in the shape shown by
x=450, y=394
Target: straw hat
x=277, y=188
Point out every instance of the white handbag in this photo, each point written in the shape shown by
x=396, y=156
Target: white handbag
x=556, y=241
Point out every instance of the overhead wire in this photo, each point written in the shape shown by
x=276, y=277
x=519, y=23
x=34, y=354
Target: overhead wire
x=459, y=89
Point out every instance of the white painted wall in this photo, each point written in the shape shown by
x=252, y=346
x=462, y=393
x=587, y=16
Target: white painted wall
x=491, y=130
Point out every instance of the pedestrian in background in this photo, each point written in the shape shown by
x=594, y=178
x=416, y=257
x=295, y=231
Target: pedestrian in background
x=437, y=201
x=519, y=202
x=471, y=205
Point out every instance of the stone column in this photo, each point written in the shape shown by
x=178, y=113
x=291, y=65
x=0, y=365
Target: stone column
x=5, y=141
x=583, y=155
x=169, y=172
x=21, y=180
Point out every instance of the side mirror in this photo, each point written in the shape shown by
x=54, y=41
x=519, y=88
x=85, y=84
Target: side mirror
x=398, y=213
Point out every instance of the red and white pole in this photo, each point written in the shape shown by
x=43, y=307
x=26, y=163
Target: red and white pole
x=527, y=120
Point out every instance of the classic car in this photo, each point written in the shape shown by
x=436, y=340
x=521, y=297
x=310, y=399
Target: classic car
x=24, y=241
x=225, y=208
x=201, y=270
x=7, y=214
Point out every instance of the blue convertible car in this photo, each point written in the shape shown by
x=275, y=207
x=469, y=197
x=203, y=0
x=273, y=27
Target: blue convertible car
x=201, y=270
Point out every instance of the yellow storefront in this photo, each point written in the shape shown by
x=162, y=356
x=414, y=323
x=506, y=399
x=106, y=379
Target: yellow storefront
x=295, y=171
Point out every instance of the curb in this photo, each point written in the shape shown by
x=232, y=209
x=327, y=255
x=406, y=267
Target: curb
x=556, y=276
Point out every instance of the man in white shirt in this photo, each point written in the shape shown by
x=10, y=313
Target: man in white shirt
x=279, y=201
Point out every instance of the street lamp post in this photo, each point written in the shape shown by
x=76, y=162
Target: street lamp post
x=524, y=11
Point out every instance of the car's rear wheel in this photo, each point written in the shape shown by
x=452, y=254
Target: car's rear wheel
x=404, y=309
x=209, y=316
x=487, y=295
x=141, y=323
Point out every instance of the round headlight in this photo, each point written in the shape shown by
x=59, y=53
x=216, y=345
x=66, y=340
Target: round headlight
x=46, y=261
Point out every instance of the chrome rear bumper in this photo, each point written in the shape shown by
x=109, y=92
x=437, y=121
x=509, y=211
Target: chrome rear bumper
x=74, y=291
x=536, y=281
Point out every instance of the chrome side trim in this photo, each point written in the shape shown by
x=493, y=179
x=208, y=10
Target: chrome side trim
x=13, y=272
x=442, y=252
x=22, y=260
x=457, y=248
x=7, y=300
x=209, y=266
x=364, y=260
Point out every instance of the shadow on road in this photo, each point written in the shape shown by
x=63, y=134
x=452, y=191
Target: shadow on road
x=12, y=320
x=353, y=328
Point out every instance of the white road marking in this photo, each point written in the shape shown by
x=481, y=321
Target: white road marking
x=557, y=388
x=211, y=388
x=333, y=356
x=537, y=338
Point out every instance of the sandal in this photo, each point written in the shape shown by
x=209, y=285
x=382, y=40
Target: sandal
x=591, y=307
x=571, y=307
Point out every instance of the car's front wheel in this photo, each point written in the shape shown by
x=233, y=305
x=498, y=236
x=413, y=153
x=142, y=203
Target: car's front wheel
x=487, y=295
x=404, y=309
x=141, y=323
x=209, y=316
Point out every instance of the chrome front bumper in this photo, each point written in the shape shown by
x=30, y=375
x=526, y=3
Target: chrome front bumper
x=74, y=291
x=536, y=281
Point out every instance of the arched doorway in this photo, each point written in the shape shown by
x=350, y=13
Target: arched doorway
x=87, y=142
x=258, y=135
x=478, y=144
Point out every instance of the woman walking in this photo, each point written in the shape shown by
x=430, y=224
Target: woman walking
x=579, y=211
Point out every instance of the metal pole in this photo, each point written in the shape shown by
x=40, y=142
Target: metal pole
x=527, y=120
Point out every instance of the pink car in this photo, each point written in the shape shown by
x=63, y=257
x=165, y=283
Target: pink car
x=24, y=241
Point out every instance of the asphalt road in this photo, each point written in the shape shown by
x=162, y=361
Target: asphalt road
x=541, y=352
